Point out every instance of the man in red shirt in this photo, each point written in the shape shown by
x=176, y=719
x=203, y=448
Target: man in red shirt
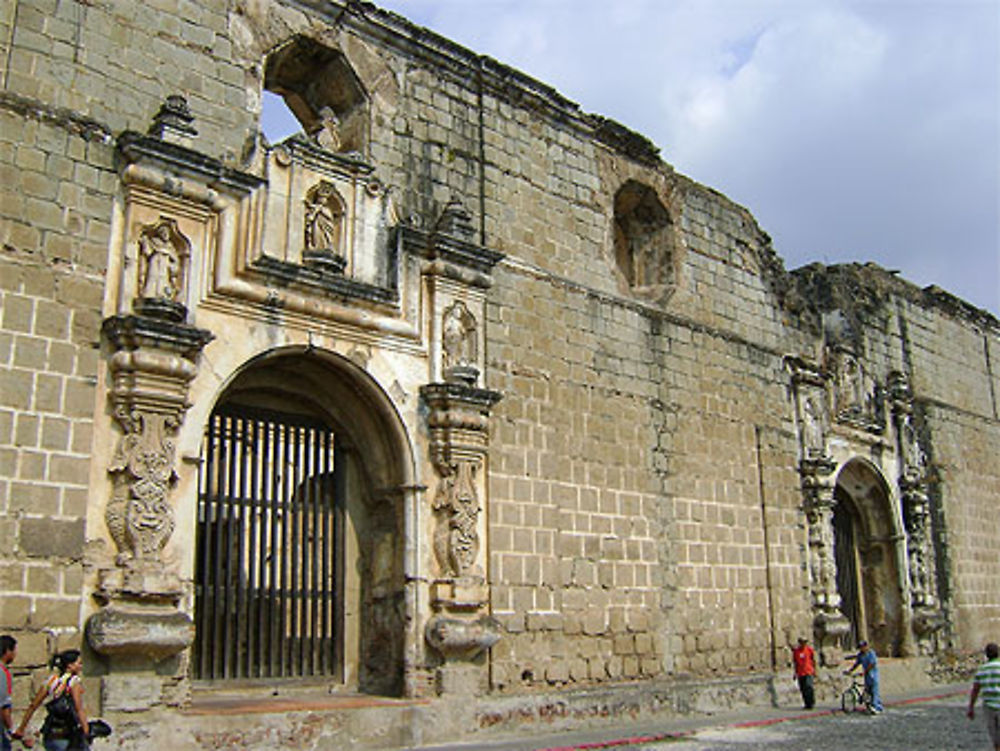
x=805, y=671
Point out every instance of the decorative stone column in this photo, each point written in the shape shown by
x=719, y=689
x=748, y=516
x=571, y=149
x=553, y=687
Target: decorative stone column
x=829, y=624
x=140, y=623
x=457, y=273
x=914, y=495
x=816, y=473
x=172, y=198
x=460, y=629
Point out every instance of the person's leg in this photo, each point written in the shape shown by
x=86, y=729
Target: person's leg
x=993, y=726
x=871, y=682
x=808, y=691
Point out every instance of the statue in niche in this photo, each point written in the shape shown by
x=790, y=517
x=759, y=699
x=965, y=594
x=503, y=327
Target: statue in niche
x=812, y=428
x=324, y=218
x=849, y=385
x=328, y=134
x=162, y=249
x=459, y=347
x=914, y=458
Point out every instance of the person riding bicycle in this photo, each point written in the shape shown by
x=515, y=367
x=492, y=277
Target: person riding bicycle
x=868, y=661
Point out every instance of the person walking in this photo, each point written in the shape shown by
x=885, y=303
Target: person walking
x=804, y=660
x=987, y=684
x=8, y=651
x=868, y=661
x=66, y=727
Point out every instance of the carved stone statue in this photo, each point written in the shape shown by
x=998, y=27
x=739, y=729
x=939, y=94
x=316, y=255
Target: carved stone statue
x=914, y=458
x=161, y=261
x=812, y=427
x=324, y=219
x=328, y=134
x=458, y=337
x=849, y=384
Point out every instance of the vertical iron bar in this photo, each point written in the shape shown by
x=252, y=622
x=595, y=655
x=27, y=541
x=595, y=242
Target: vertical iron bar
x=340, y=484
x=241, y=666
x=314, y=549
x=206, y=508
x=274, y=639
x=295, y=551
x=325, y=661
x=256, y=565
x=285, y=548
x=218, y=613
x=229, y=625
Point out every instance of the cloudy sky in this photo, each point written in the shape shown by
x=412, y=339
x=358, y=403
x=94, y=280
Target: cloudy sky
x=853, y=130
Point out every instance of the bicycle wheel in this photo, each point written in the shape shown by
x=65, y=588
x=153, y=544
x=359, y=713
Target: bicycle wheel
x=849, y=700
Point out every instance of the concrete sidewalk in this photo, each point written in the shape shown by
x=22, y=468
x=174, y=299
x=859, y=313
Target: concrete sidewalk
x=636, y=734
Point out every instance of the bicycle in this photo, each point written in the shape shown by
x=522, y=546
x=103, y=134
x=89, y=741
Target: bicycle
x=857, y=694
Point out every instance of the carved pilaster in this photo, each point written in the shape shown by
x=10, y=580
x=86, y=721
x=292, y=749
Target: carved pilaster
x=829, y=623
x=153, y=362
x=460, y=630
x=914, y=494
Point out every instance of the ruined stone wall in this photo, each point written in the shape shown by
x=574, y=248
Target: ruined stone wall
x=644, y=515
x=55, y=224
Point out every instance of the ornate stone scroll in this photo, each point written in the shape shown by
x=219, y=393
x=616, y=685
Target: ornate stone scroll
x=915, y=497
x=152, y=364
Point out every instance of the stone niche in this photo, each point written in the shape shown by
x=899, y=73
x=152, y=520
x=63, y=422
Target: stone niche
x=644, y=240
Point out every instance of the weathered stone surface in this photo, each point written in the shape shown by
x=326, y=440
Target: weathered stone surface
x=684, y=428
x=153, y=635
x=51, y=538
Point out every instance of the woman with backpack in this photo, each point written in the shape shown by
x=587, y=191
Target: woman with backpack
x=65, y=727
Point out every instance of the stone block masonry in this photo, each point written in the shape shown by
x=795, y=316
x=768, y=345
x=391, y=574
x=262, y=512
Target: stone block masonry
x=589, y=438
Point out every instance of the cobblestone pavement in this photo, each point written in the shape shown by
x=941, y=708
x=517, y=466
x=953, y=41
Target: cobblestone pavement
x=937, y=725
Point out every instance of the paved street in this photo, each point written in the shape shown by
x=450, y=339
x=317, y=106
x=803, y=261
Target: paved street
x=922, y=721
x=939, y=725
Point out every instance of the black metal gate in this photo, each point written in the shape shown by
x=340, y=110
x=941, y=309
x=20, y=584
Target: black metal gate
x=267, y=599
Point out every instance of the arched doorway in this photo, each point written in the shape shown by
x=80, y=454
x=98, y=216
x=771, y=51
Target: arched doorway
x=866, y=542
x=299, y=543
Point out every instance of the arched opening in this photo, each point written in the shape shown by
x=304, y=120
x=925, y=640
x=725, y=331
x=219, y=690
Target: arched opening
x=321, y=89
x=299, y=542
x=644, y=247
x=866, y=541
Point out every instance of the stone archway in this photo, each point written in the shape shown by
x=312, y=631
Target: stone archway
x=304, y=465
x=867, y=551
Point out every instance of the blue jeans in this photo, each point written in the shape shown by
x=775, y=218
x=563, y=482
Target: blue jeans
x=62, y=744
x=871, y=683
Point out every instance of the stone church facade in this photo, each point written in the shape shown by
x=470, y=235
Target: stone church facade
x=461, y=401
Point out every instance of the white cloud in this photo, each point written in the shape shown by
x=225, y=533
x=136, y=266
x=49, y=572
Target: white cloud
x=852, y=129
